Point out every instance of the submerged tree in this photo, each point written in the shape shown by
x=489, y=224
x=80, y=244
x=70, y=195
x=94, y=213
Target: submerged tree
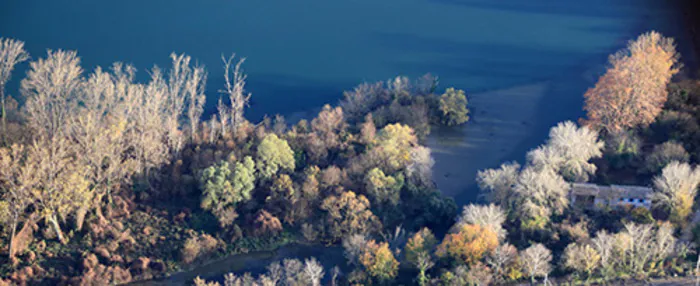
x=633, y=90
x=453, y=105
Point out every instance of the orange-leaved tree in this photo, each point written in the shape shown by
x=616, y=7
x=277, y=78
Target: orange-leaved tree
x=379, y=261
x=469, y=244
x=633, y=90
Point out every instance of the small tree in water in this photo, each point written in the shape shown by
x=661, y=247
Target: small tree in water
x=453, y=105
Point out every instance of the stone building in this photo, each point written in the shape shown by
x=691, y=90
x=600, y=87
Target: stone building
x=592, y=196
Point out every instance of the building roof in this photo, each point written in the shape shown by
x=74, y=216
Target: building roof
x=612, y=191
x=585, y=189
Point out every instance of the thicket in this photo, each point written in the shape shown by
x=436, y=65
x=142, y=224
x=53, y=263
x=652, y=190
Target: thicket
x=103, y=178
x=639, y=129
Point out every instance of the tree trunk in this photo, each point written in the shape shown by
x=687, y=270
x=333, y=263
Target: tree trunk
x=697, y=267
x=80, y=218
x=4, y=115
x=11, y=252
x=422, y=280
x=57, y=228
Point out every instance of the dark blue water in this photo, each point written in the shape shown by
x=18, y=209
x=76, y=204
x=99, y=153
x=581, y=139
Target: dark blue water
x=525, y=64
x=304, y=53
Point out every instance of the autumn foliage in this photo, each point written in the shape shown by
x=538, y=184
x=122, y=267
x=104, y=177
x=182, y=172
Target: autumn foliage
x=348, y=214
x=470, y=244
x=379, y=261
x=633, y=90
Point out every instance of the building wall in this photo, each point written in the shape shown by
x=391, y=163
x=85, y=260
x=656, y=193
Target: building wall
x=636, y=202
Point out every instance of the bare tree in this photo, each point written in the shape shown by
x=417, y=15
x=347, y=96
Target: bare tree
x=498, y=183
x=11, y=53
x=676, y=188
x=504, y=256
x=489, y=216
x=61, y=188
x=224, y=117
x=97, y=130
x=354, y=246
x=637, y=249
x=425, y=84
x=541, y=193
x=581, y=258
x=147, y=132
x=17, y=180
x=196, y=98
x=568, y=151
x=235, y=89
x=313, y=271
x=635, y=244
x=665, y=244
x=293, y=272
x=50, y=90
x=335, y=272
x=537, y=260
x=604, y=244
x=545, y=157
x=275, y=272
x=363, y=98
x=664, y=154
x=185, y=95
x=420, y=169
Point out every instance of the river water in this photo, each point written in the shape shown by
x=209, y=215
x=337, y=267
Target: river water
x=524, y=64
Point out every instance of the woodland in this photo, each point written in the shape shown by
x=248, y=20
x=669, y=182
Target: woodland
x=107, y=180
